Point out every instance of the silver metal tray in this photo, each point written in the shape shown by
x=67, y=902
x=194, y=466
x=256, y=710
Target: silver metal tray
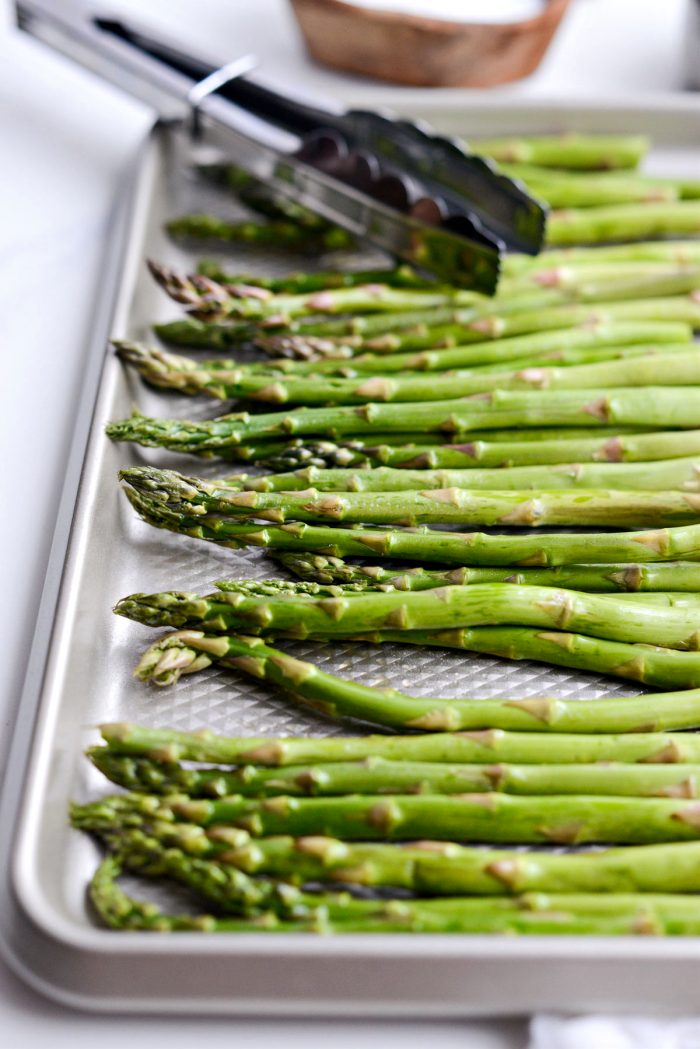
x=80, y=674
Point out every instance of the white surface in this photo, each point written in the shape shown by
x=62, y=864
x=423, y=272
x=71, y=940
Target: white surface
x=460, y=10
x=66, y=141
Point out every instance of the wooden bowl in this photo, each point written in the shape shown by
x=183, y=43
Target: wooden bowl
x=428, y=52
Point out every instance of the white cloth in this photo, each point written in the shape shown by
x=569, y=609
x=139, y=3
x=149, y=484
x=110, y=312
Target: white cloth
x=614, y=1032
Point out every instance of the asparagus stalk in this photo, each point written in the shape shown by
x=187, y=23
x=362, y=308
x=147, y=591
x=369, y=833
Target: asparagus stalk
x=575, y=151
x=193, y=497
x=477, y=548
x=665, y=474
x=445, y=868
x=389, y=333
x=680, y=252
x=378, y=776
x=567, y=189
x=438, y=868
x=276, y=233
x=232, y=891
x=185, y=652
x=490, y=747
x=623, y=222
x=606, y=182
x=535, y=914
x=207, y=299
x=568, y=345
x=171, y=372
x=381, y=299
x=651, y=406
x=211, y=300
x=474, y=453
x=482, y=315
x=603, y=616
x=213, y=438
x=394, y=709
x=305, y=283
x=665, y=668
x=625, y=578
x=546, y=819
x=401, y=450
x=428, y=868
x=117, y=910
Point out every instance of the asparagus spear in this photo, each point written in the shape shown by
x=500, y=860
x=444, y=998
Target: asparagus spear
x=276, y=233
x=568, y=345
x=491, y=747
x=429, y=580
x=513, y=298
x=305, y=283
x=439, y=868
x=535, y=914
x=623, y=222
x=666, y=668
x=576, y=151
x=172, y=372
x=212, y=301
x=483, y=315
x=605, y=187
x=664, y=474
x=478, y=548
x=549, y=608
x=208, y=299
x=194, y=497
x=651, y=406
x=183, y=653
x=232, y=891
x=378, y=776
x=632, y=577
x=117, y=910
x=445, y=868
x=547, y=819
x=388, y=333
x=561, y=189
x=681, y=252
x=213, y=437
x=476, y=452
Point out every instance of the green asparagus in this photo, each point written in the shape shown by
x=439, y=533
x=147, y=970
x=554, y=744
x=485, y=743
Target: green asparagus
x=188, y=651
x=563, y=914
x=575, y=151
x=389, y=707
x=631, y=577
x=603, y=616
x=194, y=497
x=475, y=548
x=664, y=474
x=378, y=776
x=508, y=818
x=491, y=747
x=172, y=372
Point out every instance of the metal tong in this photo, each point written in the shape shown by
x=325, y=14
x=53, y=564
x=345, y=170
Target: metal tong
x=397, y=183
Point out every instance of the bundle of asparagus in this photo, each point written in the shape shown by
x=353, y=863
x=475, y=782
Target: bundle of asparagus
x=249, y=855
x=569, y=400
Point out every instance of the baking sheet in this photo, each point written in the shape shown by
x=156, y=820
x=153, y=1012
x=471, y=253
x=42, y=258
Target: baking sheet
x=48, y=929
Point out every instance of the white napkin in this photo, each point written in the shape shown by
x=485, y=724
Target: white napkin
x=614, y=1032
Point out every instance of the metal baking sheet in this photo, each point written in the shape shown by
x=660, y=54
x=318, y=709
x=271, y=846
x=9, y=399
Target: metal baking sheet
x=81, y=675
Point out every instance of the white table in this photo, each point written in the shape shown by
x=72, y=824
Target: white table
x=66, y=141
